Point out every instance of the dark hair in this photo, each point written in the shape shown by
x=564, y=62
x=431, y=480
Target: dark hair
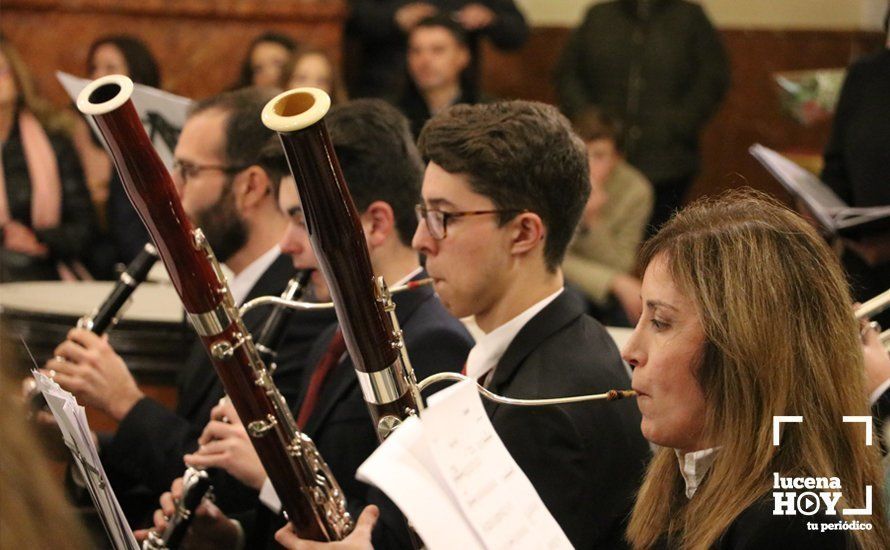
x=141, y=63
x=593, y=124
x=521, y=155
x=273, y=161
x=379, y=159
x=446, y=23
x=245, y=75
x=245, y=134
x=338, y=88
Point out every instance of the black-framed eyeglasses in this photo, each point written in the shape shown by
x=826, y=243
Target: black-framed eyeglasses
x=189, y=170
x=437, y=220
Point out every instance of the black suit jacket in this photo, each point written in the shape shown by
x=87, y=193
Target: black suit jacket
x=340, y=424
x=585, y=460
x=148, y=447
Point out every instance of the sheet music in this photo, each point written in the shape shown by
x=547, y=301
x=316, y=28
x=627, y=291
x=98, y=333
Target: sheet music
x=829, y=209
x=456, y=482
x=162, y=113
x=75, y=429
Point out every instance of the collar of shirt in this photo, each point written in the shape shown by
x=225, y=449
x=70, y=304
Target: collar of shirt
x=489, y=349
x=879, y=391
x=241, y=283
x=694, y=466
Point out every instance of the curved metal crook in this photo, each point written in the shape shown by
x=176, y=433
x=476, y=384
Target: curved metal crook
x=611, y=395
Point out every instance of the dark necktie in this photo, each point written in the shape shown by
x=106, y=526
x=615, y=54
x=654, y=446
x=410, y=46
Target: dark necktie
x=324, y=367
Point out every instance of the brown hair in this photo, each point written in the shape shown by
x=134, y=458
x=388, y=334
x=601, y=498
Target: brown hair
x=52, y=120
x=338, y=88
x=781, y=339
x=245, y=133
x=592, y=125
x=33, y=510
x=522, y=155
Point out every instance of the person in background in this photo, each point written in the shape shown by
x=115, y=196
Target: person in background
x=266, y=58
x=601, y=259
x=856, y=161
x=124, y=234
x=380, y=29
x=46, y=217
x=660, y=68
x=310, y=66
x=438, y=59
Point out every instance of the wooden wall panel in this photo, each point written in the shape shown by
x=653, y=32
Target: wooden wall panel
x=750, y=112
x=199, y=43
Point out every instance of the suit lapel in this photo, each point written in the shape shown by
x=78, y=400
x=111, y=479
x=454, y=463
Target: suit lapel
x=343, y=377
x=203, y=379
x=556, y=315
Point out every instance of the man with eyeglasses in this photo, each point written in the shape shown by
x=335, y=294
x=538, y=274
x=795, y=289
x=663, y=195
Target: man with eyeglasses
x=504, y=188
x=503, y=192
x=383, y=171
x=225, y=185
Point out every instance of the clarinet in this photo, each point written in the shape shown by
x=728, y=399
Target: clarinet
x=106, y=316
x=271, y=334
x=196, y=482
x=311, y=497
x=363, y=303
x=196, y=487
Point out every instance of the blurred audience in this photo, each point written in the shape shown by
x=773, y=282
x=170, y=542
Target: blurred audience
x=856, y=161
x=601, y=259
x=438, y=59
x=660, y=67
x=380, y=29
x=266, y=58
x=124, y=233
x=310, y=66
x=46, y=215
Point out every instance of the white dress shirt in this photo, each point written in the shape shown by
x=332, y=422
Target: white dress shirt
x=241, y=283
x=489, y=349
x=694, y=466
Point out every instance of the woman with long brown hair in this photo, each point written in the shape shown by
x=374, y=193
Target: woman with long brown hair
x=746, y=317
x=46, y=217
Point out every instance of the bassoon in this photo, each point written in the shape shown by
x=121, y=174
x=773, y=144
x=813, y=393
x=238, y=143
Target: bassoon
x=197, y=483
x=364, y=306
x=311, y=497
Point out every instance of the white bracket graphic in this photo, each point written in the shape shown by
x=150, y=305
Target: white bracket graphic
x=778, y=421
x=867, y=420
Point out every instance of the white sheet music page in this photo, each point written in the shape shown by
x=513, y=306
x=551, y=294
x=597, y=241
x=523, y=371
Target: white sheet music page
x=75, y=429
x=472, y=471
x=403, y=468
x=161, y=112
